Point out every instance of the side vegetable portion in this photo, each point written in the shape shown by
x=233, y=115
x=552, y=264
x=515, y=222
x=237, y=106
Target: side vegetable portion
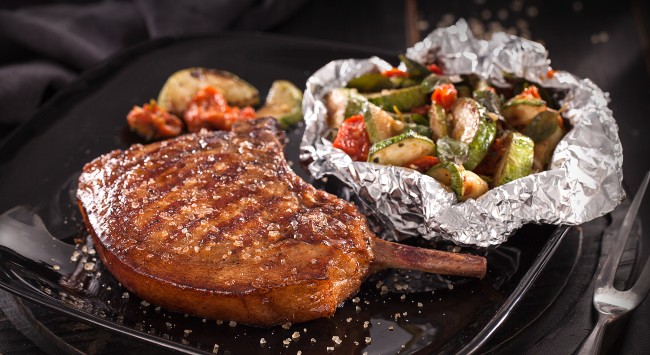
x=199, y=98
x=460, y=130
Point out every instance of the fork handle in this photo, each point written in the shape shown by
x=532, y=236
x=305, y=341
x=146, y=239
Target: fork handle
x=594, y=342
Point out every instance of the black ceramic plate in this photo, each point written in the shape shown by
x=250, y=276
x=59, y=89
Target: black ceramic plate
x=393, y=312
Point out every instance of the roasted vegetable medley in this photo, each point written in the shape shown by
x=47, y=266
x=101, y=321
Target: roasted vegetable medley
x=200, y=98
x=460, y=130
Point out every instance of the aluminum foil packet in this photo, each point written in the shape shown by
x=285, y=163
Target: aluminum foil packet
x=583, y=181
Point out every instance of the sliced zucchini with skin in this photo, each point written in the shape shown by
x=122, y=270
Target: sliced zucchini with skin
x=403, y=99
x=490, y=99
x=488, y=165
x=449, y=175
x=451, y=150
x=431, y=82
x=370, y=82
x=519, y=112
x=438, y=121
x=379, y=124
x=181, y=86
x=284, y=102
x=517, y=158
x=543, y=125
x=546, y=130
x=401, y=149
x=356, y=104
x=480, y=145
x=544, y=150
x=473, y=126
x=419, y=129
x=465, y=118
x=343, y=103
x=464, y=183
x=403, y=82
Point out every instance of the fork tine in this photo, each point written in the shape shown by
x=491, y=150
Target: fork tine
x=608, y=273
x=640, y=289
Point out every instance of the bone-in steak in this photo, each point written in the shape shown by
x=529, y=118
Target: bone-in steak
x=216, y=224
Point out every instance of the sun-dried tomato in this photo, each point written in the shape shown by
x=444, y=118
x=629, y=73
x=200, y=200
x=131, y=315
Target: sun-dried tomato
x=209, y=109
x=152, y=122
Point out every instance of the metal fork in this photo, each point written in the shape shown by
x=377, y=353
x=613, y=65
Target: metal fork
x=611, y=303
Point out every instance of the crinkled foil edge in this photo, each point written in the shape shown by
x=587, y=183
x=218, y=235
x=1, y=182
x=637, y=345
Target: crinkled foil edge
x=584, y=180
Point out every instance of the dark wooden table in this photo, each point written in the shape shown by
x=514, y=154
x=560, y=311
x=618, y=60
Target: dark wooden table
x=604, y=41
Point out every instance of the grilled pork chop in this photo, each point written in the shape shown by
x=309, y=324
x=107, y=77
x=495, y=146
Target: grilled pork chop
x=216, y=224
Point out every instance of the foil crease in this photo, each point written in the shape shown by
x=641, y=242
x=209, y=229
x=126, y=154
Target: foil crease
x=583, y=182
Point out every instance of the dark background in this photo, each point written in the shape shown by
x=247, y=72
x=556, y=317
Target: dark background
x=46, y=44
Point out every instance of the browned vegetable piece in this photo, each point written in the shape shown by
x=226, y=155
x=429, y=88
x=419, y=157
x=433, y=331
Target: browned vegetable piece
x=181, y=86
x=519, y=112
x=546, y=130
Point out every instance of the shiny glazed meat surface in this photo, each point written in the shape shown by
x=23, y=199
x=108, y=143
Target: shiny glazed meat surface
x=216, y=224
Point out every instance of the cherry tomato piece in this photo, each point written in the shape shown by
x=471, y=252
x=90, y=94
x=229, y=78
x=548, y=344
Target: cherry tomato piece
x=530, y=92
x=353, y=139
x=394, y=72
x=152, y=122
x=445, y=95
x=550, y=74
x=434, y=69
x=209, y=109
